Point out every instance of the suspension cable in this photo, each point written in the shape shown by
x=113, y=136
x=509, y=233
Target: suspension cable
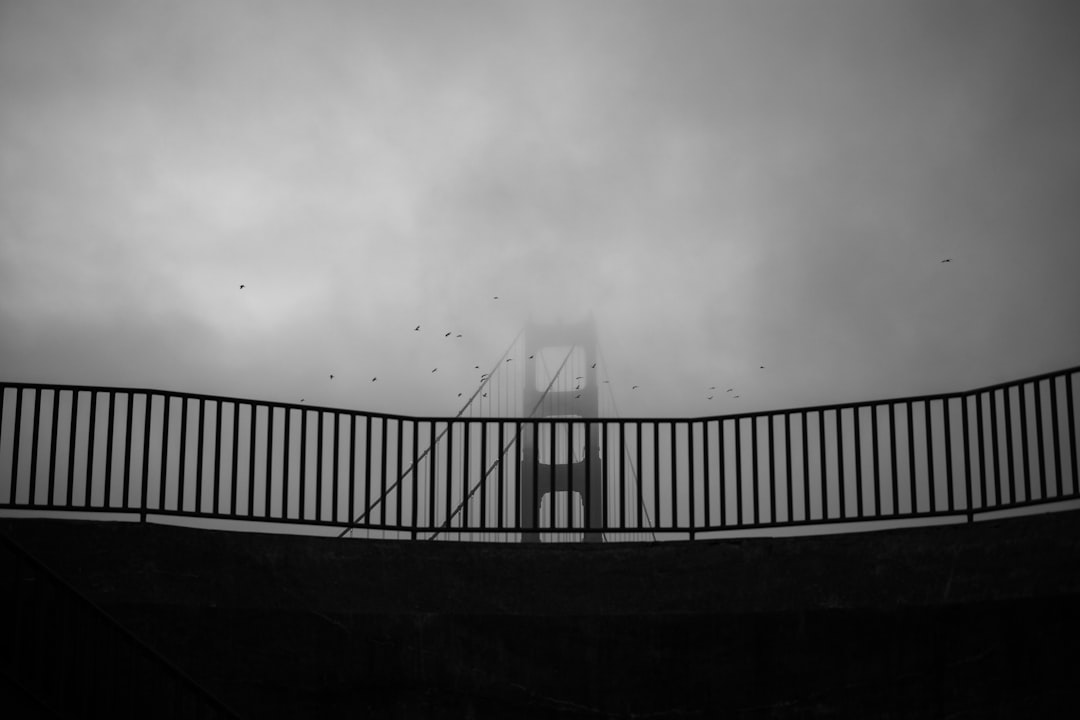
x=485, y=381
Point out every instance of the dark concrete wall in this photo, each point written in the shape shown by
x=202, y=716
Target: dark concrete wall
x=964, y=621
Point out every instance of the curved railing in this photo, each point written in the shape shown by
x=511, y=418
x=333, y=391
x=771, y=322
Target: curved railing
x=160, y=453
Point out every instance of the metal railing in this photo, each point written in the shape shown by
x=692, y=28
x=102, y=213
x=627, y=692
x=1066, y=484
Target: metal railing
x=158, y=453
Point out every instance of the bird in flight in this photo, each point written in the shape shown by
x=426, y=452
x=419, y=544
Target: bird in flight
x=577, y=396
x=710, y=397
x=434, y=369
x=531, y=357
x=331, y=376
x=416, y=329
x=735, y=396
x=496, y=297
x=458, y=335
x=459, y=394
x=594, y=366
x=242, y=286
x=446, y=335
x=761, y=367
x=374, y=379
x=509, y=359
x=634, y=388
x=944, y=261
x=713, y=387
x=729, y=389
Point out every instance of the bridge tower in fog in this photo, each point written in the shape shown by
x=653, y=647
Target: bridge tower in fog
x=560, y=382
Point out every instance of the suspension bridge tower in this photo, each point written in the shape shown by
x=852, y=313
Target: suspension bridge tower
x=558, y=458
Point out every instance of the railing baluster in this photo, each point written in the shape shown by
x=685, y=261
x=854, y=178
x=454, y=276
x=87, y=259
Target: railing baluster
x=400, y=484
x=73, y=423
x=690, y=475
x=856, y=418
x=183, y=453
x=16, y=442
x=235, y=457
x=876, y=459
x=803, y=418
x=931, y=486
x=350, y=513
x=465, y=475
x=302, y=494
x=286, y=447
x=754, y=466
x=1039, y=440
x=53, y=439
x=318, y=466
x=432, y=474
x=840, y=462
x=909, y=411
x=674, y=453
x=127, y=451
x=1052, y=382
x=656, y=475
x=706, y=479
x=894, y=478
x=215, y=506
x=787, y=468
x=535, y=527
x=1029, y=479
x=367, y=471
x=251, y=461
x=949, y=495
x=571, y=500
x=334, y=469
x=500, y=433
x=449, y=470
x=382, y=471
x=738, y=472
x=994, y=445
x=771, y=419
x=484, y=428
x=1009, y=458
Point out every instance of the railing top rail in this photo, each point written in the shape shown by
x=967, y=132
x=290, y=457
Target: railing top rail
x=562, y=420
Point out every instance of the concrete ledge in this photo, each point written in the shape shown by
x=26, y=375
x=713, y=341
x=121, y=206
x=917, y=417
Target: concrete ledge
x=966, y=620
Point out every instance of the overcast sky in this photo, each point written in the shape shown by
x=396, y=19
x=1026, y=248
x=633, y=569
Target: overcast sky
x=723, y=185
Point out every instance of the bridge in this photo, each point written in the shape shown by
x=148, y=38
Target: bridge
x=537, y=453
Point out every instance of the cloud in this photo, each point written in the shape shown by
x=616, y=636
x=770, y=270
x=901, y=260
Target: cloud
x=721, y=184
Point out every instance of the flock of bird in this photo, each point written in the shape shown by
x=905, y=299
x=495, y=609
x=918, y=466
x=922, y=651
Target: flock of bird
x=485, y=376
x=730, y=392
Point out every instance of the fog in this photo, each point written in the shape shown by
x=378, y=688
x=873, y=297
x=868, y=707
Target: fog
x=755, y=195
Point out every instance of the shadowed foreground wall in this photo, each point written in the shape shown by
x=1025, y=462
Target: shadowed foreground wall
x=957, y=621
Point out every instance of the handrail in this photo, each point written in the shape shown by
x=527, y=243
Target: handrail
x=161, y=452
